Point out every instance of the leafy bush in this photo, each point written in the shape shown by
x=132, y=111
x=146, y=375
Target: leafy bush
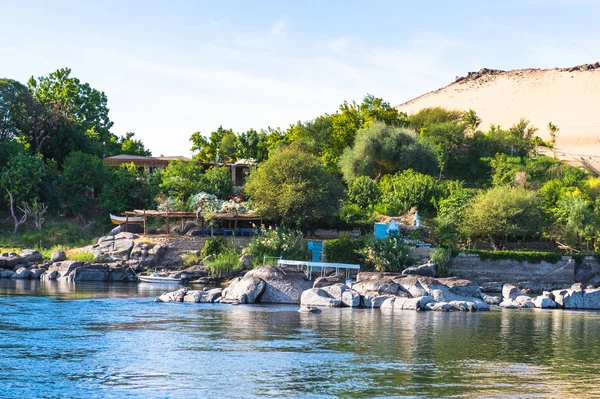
x=82, y=257
x=215, y=246
x=519, y=256
x=225, y=264
x=442, y=258
x=190, y=259
x=406, y=189
x=364, y=192
x=387, y=255
x=65, y=235
x=288, y=244
x=345, y=249
x=217, y=181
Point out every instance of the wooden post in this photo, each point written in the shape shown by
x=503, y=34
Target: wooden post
x=181, y=231
x=168, y=227
x=203, y=230
x=144, y=223
x=126, y=223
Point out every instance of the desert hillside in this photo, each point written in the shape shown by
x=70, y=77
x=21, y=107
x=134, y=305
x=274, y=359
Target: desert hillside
x=569, y=97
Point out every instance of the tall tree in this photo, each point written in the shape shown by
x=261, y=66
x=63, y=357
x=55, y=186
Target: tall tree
x=522, y=135
x=553, y=129
x=132, y=146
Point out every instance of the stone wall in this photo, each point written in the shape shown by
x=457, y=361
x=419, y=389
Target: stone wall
x=563, y=273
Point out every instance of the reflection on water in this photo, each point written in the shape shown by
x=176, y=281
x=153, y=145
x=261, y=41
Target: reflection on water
x=108, y=346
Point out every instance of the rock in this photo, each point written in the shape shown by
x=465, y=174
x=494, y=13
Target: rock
x=61, y=269
x=318, y=297
x=212, y=295
x=594, y=282
x=509, y=304
x=175, y=296
x=58, y=256
x=9, y=260
x=244, y=290
x=374, y=300
x=388, y=304
x=309, y=309
x=4, y=273
x=440, y=307
x=126, y=236
x=493, y=286
x=464, y=306
x=31, y=256
x=383, y=286
x=351, y=298
x=525, y=301
x=22, y=273
x=411, y=270
x=544, y=302
x=324, y=281
x=427, y=270
x=194, y=296
x=192, y=272
x=35, y=273
x=282, y=284
x=510, y=291
x=117, y=273
x=418, y=303
x=569, y=299
x=49, y=275
x=492, y=300
x=246, y=261
x=591, y=299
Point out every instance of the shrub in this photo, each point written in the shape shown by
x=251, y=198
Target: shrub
x=442, y=258
x=406, y=189
x=519, y=256
x=345, y=250
x=288, y=244
x=387, y=255
x=225, y=264
x=215, y=246
x=364, y=192
x=65, y=235
x=190, y=259
x=83, y=257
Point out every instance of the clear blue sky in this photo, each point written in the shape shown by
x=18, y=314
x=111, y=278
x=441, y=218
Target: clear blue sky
x=171, y=68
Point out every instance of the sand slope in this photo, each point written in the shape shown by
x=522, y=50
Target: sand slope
x=569, y=97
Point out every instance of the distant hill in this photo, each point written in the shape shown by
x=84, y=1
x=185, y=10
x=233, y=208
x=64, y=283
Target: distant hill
x=568, y=97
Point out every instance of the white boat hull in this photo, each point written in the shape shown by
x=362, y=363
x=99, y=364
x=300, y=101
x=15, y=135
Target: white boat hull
x=123, y=219
x=162, y=280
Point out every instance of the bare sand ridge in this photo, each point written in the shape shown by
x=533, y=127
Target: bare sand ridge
x=569, y=97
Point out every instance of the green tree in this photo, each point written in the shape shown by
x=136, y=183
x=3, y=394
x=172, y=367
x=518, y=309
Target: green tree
x=380, y=149
x=364, y=192
x=22, y=176
x=181, y=179
x=574, y=219
x=217, y=181
x=553, y=129
x=132, y=146
x=293, y=188
x=434, y=116
x=125, y=189
x=15, y=104
x=502, y=213
x=82, y=180
x=450, y=213
x=471, y=120
x=402, y=191
x=522, y=135
x=446, y=138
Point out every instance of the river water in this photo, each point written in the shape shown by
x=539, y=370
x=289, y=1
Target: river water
x=100, y=340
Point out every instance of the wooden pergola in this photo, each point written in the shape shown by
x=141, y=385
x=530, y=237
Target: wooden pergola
x=144, y=214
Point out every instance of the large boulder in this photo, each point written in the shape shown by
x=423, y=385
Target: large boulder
x=4, y=273
x=244, y=290
x=175, y=296
x=21, y=273
x=204, y=296
x=382, y=286
x=61, y=270
x=9, y=260
x=31, y=256
x=58, y=256
x=318, y=297
x=510, y=291
x=281, y=284
x=544, y=302
x=324, y=281
x=35, y=273
x=401, y=303
x=374, y=300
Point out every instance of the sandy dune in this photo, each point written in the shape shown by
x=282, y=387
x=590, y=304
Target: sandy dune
x=569, y=97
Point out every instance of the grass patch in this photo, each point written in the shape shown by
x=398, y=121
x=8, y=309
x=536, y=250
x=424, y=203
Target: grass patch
x=225, y=264
x=191, y=259
x=82, y=257
x=63, y=235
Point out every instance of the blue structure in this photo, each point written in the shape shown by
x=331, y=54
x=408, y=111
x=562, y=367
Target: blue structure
x=383, y=230
x=316, y=250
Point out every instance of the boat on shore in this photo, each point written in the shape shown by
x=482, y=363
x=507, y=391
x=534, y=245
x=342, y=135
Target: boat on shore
x=123, y=219
x=156, y=278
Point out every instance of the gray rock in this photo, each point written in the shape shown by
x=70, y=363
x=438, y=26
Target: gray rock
x=591, y=299
x=544, y=302
x=58, y=256
x=31, y=256
x=212, y=295
x=244, y=290
x=351, y=298
x=175, y=296
x=510, y=291
x=4, y=273
x=374, y=300
x=282, y=284
x=323, y=281
x=246, y=261
x=414, y=270
x=35, y=273
x=22, y=274
x=492, y=286
x=194, y=296
x=509, y=304
x=427, y=270
x=594, y=282
x=309, y=309
x=492, y=300
x=9, y=260
x=62, y=270
x=383, y=286
x=318, y=297
x=465, y=306
x=418, y=303
x=440, y=307
x=525, y=301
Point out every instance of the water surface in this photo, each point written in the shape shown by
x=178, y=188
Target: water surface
x=112, y=340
